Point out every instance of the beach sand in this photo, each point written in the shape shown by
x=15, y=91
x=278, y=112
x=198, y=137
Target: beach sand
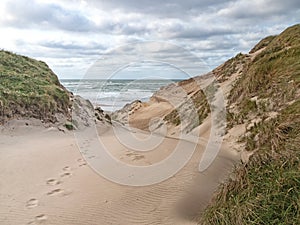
x=51, y=176
x=44, y=179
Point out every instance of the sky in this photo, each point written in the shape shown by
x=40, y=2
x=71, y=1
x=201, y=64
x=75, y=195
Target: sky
x=133, y=38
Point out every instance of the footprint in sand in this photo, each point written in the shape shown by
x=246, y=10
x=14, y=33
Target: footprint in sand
x=83, y=150
x=85, y=143
x=60, y=192
x=81, y=162
x=32, y=203
x=55, y=192
x=138, y=157
x=53, y=182
x=66, y=168
x=65, y=174
x=39, y=219
x=135, y=156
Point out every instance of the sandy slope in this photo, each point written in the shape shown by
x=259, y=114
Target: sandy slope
x=45, y=180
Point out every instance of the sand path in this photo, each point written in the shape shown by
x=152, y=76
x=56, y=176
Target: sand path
x=44, y=179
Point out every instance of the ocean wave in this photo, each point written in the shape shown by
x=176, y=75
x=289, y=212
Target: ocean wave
x=114, y=94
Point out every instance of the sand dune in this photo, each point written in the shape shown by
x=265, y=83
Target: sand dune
x=45, y=180
x=50, y=176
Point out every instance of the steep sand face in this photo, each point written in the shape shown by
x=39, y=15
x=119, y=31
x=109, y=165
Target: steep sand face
x=152, y=114
x=45, y=180
x=142, y=117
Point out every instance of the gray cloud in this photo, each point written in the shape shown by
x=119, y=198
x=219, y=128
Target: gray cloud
x=212, y=30
x=44, y=15
x=202, y=32
x=167, y=8
x=263, y=9
x=33, y=14
x=73, y=46
x=162, y=54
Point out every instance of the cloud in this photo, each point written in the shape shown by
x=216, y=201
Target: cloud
x=73, y=46
x=146, y=58
x=24, y=14
x=196, y=32
x=167, y=8
x=76, y=33
x=259, y=9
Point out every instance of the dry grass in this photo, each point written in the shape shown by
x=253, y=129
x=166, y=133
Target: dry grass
x=29, y=88
x=199, y=102
x=267, y=189
x=233, y=65
x=274, y=75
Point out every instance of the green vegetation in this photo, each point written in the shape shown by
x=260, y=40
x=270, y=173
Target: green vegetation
x=199, y=101
x=233, y=65
x=263, y=43
x=28, y=88
x=274, y=76
x=173, y=117
x=201, y=104
x=266, y=190
x=70, y=126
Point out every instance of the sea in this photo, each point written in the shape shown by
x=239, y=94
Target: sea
x=112, y=95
